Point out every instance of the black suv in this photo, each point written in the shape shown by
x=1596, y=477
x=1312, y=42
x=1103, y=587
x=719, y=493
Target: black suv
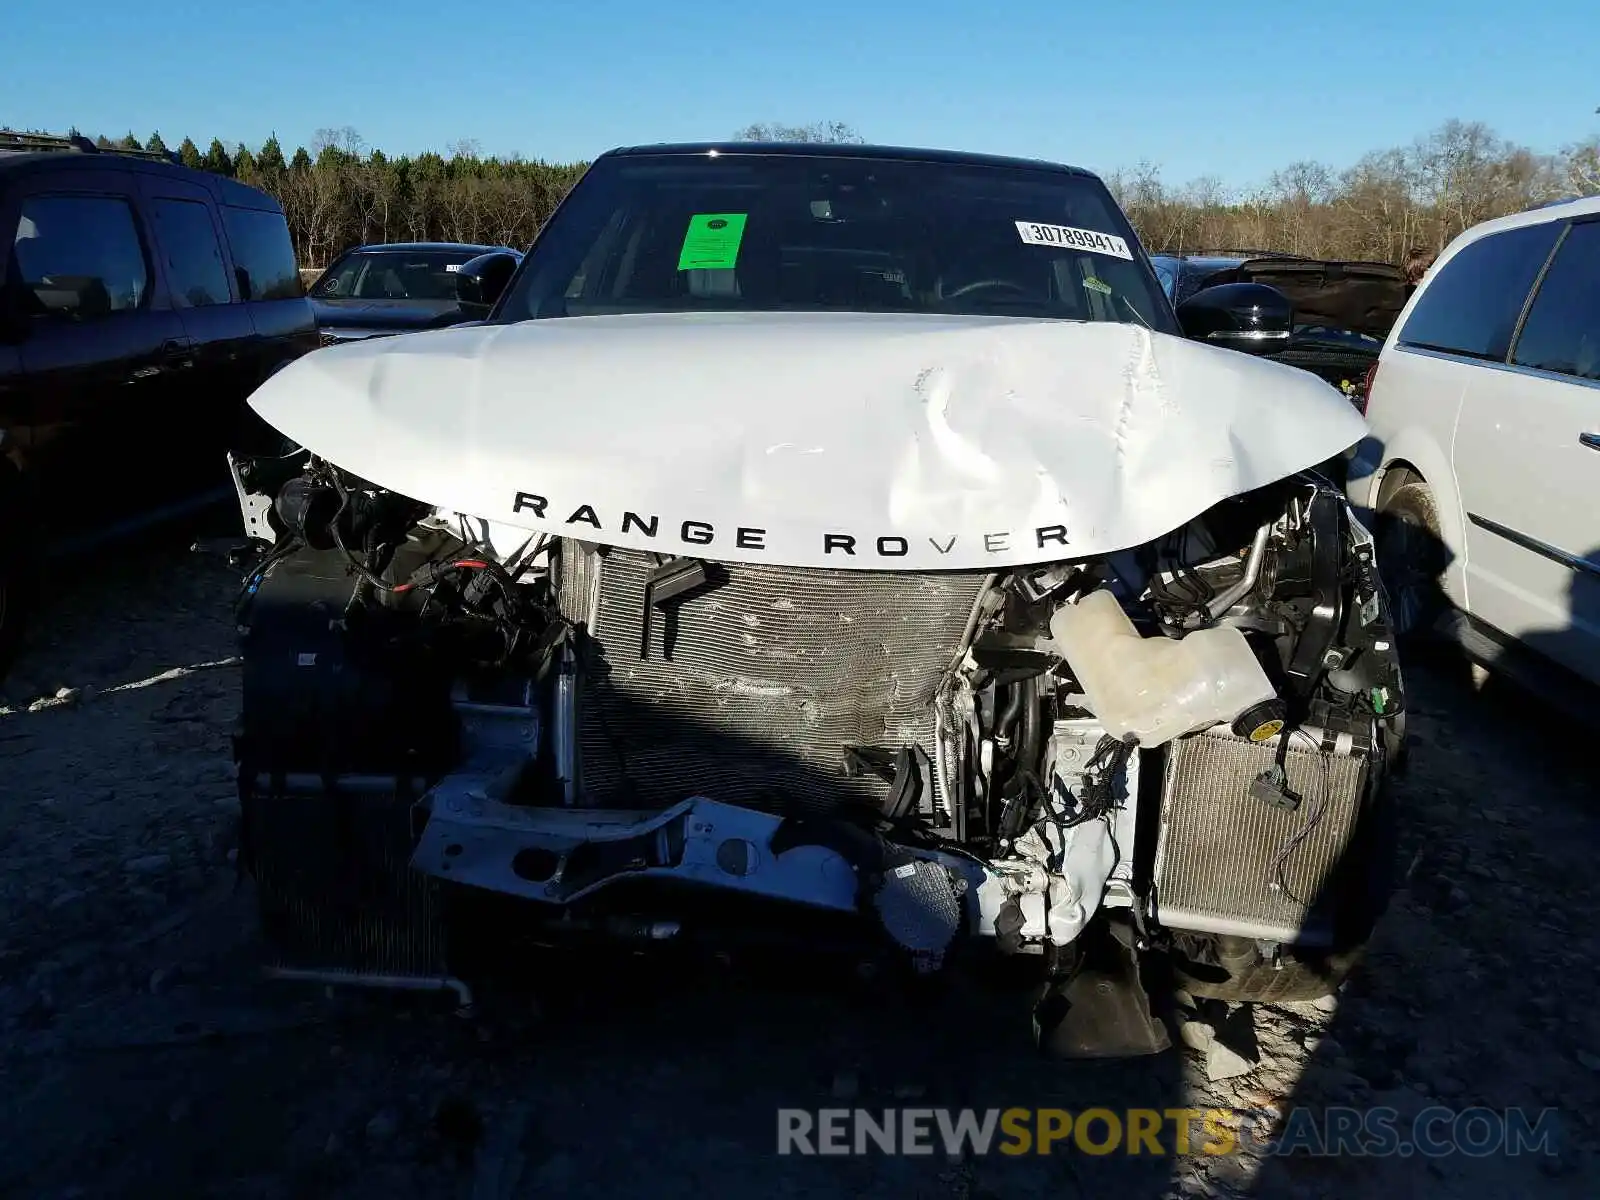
x=1338, y=313
x=141, y=303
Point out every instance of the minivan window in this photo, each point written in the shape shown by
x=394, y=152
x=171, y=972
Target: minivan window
x=1472, y=306
x=263, y=256
x=193, y=256
x=79, y=256
x=1562, y=332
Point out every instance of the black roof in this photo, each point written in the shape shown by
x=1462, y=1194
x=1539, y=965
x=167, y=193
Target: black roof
x=1210, y=262
x=1219, y=260
x=1238, y=255
x=225, y=190
x=850, y=150
x=408, y=247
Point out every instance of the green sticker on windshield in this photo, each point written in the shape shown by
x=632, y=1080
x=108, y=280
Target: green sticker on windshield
x=711, y=242
x=1097, y=285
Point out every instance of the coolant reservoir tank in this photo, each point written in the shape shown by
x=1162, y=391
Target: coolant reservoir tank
x=1156, y=689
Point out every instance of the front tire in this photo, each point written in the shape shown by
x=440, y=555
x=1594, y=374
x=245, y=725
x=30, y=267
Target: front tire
x=1412, y=559
x=1243, y=976
x=1217, y=967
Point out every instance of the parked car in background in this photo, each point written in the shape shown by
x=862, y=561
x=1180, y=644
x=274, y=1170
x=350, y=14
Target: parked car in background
x=141, y=303
x=377, y=290
x=1482, y=468
x=1342, y=311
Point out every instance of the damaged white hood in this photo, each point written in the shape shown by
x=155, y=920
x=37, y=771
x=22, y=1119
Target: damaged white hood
x=842, y=440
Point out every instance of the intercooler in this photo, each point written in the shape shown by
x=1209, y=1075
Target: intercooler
x=1229, y=862
x=752, y=686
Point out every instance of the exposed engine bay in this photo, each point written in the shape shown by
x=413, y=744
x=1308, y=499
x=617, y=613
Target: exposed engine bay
x=1185, y=740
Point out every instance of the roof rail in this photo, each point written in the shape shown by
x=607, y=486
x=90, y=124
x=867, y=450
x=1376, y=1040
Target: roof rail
x=11, y=139
x=1237, y=253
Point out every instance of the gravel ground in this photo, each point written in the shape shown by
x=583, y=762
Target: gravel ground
x=142, y=1054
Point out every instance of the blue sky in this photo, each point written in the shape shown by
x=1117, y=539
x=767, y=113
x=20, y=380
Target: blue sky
x=1101, y=85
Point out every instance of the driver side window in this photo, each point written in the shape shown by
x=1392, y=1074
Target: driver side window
x=79, y=257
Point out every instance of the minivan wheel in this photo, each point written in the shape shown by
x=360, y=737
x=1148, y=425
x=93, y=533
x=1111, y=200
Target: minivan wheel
x=1412, y=559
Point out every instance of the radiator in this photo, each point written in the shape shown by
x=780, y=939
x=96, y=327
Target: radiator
x=773, y=670
x=1219, y=853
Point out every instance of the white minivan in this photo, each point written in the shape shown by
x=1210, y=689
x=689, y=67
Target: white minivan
x=1481, y=472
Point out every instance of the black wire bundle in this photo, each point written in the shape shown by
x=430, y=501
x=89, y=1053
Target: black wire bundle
x=1097, y=794
x=281, y=549
x=1275, y=877
x=471, y=557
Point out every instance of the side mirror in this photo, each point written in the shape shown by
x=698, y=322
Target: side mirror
x=1251, y=317
x=480, y=281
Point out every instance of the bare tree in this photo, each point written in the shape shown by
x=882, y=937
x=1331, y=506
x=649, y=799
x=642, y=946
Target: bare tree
x=822, y=132
x=375, y=189
x=1580, y=174
x=345, y=139
x=320, y=206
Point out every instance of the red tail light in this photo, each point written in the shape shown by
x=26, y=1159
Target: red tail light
x=1364, y=392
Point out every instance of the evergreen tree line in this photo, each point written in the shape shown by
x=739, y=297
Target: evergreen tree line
x=339, y=193
x=1389, y=204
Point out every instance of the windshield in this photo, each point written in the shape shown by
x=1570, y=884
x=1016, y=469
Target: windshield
x=770, y=232
x=1167, y=270
x=394, y=275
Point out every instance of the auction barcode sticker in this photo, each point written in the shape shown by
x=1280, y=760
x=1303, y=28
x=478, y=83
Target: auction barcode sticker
x=1077, y=239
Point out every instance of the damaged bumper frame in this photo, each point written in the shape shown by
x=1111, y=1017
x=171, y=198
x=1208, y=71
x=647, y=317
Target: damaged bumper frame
x=924, y=897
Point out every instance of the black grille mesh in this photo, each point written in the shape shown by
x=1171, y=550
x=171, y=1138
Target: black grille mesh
x=773, y=671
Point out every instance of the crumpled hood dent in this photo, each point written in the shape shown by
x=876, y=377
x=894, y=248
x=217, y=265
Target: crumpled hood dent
x=854, y=441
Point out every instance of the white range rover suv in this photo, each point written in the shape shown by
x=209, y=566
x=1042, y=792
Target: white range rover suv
x=1482, y=468
x=799, y=529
